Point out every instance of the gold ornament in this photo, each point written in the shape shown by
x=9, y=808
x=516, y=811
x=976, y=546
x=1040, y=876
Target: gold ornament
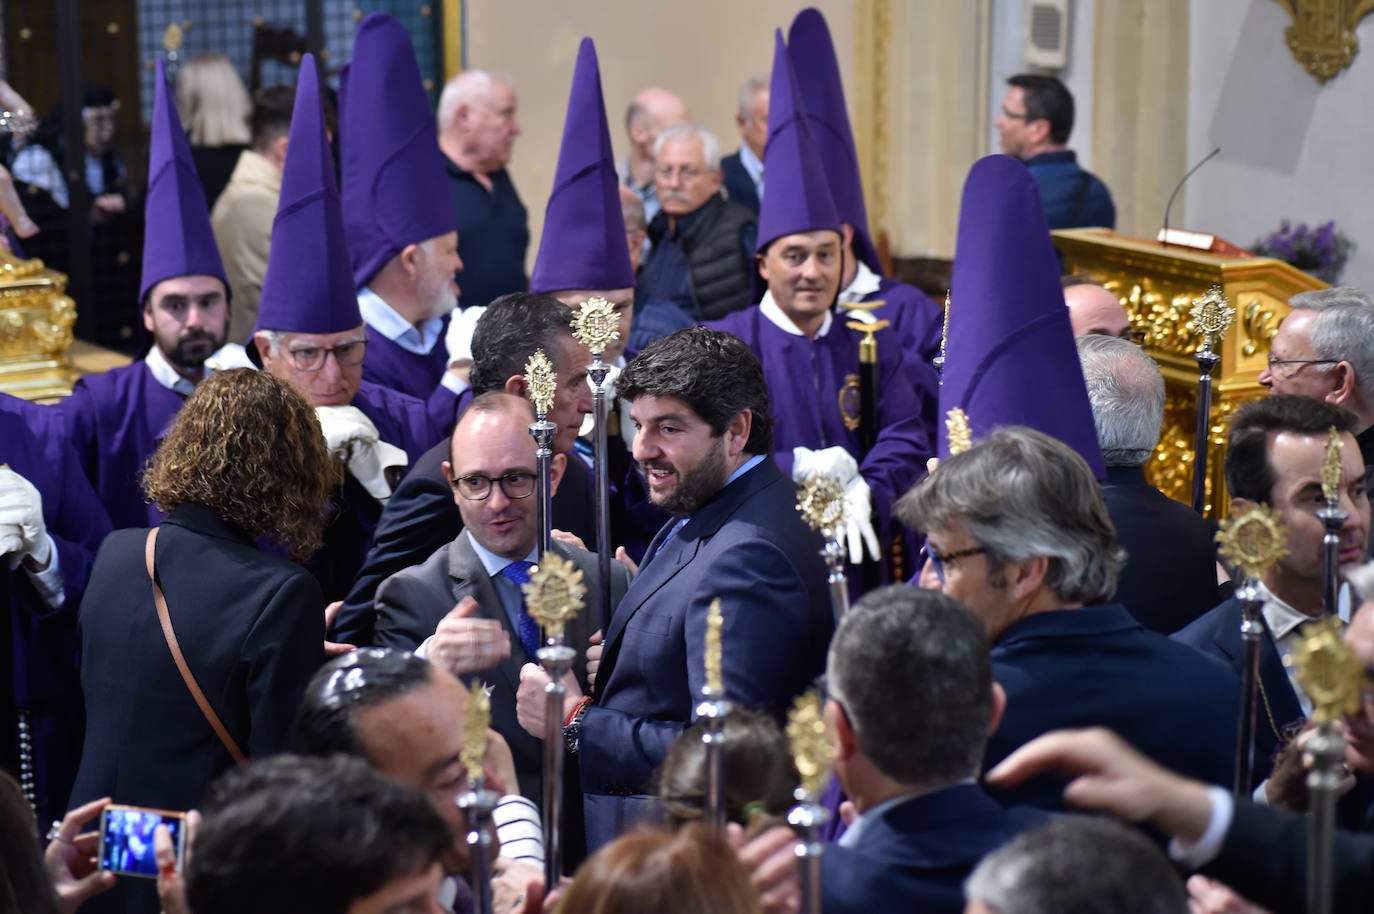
x=475, y=731
x=541, y=382
x=172, y=38
x=1328, y=672
x=957, y=432
x=596, y=325
x=555, y=594
x=1212, y=315
x=1253, y=540
x=821, y=503
x=809, y=741
x=714, y=621
x=1331, y=466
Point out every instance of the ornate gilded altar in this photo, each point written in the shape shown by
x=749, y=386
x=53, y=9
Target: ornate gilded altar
x=36, y=318
x=1157, y=287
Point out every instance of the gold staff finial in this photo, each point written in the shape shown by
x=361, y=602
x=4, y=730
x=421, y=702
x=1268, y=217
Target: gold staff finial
x=868, y=346
x=1212, y=315
x=821, y=503
x=1328, y=672
x=475, y=731
x=555, y=594
x=714, y=620
x=1254, y=539
x=809, y=741
x=1331, y=466
x=958, y=435
x=541, y=382
x=172, y=38
x=596, y=325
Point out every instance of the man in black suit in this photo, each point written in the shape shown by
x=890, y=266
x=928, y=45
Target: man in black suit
x=744, y=170
x=911, y=702
x=1274, y=456
x=464, y=605
x=421, y=517
x=1170, y=576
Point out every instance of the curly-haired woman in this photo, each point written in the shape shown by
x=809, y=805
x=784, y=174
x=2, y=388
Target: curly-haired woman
x=244, y=461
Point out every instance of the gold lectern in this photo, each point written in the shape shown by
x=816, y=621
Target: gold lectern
x=36, y=318
x=1157, y=285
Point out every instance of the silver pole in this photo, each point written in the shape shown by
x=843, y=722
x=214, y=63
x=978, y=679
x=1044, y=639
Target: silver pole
x=478, y=804
x=601, y=469
x=556, y=659
x=543, y=430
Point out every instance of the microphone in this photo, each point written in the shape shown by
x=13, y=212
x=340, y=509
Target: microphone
x=1184, y=180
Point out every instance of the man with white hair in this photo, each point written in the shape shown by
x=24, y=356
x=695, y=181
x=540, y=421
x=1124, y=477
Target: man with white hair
x=701, y=264
x=744, y=169
x=477, y=130
x=652, y=111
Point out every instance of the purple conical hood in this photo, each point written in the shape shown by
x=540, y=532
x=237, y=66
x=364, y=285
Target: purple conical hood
x=308, y=287
x=179, y=241
x=395, y=189
x=1010, y=358
x=818, y=74
x=583, y=245
x=798, y=197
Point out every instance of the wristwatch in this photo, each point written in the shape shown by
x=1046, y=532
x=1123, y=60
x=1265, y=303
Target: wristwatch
x=572, y=730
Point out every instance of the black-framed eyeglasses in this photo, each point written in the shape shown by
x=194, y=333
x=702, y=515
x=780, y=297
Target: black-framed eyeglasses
x=312, y=358
x=1012, y=115
x=941, y=560
x=476, y=487
x=1275, y=363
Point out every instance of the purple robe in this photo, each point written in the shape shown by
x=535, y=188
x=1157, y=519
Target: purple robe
x=813, y=387
x=420, y=376
x=918, y=322
x=44, y=681
x=114, y=421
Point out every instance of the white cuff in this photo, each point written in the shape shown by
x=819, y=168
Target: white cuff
x=48, y=582
x=1261, y=796
x=423, y=650
x=1204, y=850
x=519, y=830
x=454, y=383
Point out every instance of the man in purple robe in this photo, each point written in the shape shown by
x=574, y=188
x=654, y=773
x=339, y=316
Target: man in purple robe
x=114, y=420
x=916, y=320
x=51, y=524
x=310, y=332
x=399, y=220
x=810, y=356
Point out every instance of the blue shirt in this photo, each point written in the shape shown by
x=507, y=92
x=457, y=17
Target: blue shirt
x=384, y=319
x=493, y=236
x=512, y=600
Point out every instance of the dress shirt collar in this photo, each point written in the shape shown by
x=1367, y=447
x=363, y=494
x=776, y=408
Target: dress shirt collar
x=231, y=355
x=770, y=309
x=492, y=562
x=753, y=166
x=389, y=323
x=865, y=283
x=852, y=834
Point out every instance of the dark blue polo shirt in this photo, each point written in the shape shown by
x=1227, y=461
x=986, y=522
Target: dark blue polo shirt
x=493, y=236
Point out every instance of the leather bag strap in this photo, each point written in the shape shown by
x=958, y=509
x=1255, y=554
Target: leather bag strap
x=164, y=617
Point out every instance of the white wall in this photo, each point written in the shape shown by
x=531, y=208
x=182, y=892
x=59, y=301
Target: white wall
x=1291, y=148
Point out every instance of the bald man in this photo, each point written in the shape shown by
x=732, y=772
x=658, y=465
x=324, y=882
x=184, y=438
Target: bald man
x=1092, y=309
x=652, y=111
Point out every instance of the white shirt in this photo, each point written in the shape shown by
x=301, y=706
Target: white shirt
x=752, y=167
x=231, y=355
x=865, y=283
x=770, y=309
x=389, y=323
x=1284, y=623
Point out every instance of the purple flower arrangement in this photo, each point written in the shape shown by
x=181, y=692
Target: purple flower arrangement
x=1322, y=251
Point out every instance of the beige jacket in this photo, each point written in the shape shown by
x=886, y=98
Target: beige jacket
x=242, y=221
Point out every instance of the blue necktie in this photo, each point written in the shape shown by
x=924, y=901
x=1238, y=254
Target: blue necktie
x=519, y=574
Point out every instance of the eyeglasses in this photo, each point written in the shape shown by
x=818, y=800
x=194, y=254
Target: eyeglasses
x=311, y=358
x=1275, y=363
x=476, y=487
x=684, y=173
x=941, y=560
x=1012, y=115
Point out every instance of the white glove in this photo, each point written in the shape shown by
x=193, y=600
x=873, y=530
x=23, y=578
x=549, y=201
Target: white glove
x=458, y=339
x=835, y=462
x=858, y=521
x=589, y=420
x=352, y=437
x=21, y=509
x=11, y=540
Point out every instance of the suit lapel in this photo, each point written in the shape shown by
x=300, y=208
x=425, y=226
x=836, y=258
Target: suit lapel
x=469, y=579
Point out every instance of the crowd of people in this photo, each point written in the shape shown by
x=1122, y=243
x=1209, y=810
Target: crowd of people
x=254, y=576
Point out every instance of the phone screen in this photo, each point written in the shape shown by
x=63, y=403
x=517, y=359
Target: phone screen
x=126, y=839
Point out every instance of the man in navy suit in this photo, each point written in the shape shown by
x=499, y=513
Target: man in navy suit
x=911, y=702
x=744, y=170
x=700, y=404
x=1018, y=532
x=1274, y=456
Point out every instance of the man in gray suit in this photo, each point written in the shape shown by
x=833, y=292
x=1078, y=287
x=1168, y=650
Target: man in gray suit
x=463, y=608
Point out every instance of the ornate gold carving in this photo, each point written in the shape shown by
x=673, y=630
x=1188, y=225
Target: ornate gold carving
x=1254, y=539
x=1259, y=325
x=714, y=621
x=475, y=731
x=1322, y=36
x=1212, y=314
x=541, y=383
x=555, y=593
x=958, y=435
x=172, y=37
x=850, y=400
x=809, y=741
x=36, y=321
x=1331, y=466
x=596, y=325
x=821, y=503
x=1328, y=672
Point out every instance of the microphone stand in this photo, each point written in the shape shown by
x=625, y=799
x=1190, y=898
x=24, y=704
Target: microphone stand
x=1178, y=187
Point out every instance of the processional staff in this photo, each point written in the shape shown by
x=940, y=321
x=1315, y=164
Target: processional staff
x=821, y=502
x=1211, y=315
x=810, y=744
x=1333, y=519
x=596, y=327
x=713, y=709
x=479, y=802
x=541, y=384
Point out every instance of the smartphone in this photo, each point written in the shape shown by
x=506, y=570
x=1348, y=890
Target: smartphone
x=126, y=839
